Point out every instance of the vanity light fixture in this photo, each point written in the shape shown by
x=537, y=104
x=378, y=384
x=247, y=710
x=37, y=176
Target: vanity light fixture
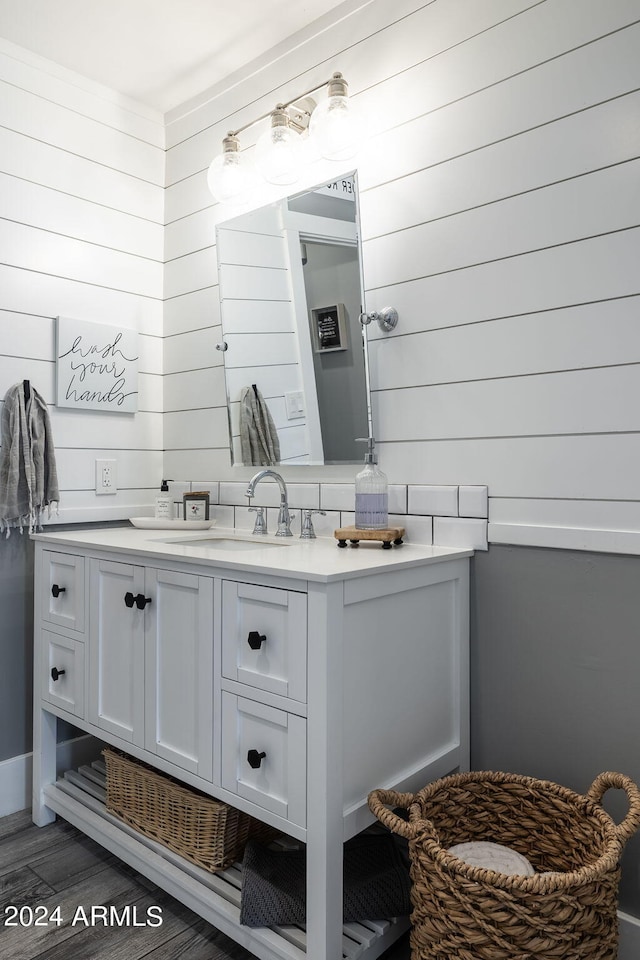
x=331, y=129
x=230, y=178
x=279, y=149
x=336, y=126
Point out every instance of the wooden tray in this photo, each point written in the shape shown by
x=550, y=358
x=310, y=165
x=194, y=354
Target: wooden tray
x=392, y=535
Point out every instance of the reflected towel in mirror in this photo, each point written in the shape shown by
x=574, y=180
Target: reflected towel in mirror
x=258, y=435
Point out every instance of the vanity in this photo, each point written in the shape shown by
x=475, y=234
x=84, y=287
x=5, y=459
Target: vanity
x=197, y=653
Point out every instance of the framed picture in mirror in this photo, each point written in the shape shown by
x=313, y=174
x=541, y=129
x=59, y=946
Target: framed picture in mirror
x=329, y=328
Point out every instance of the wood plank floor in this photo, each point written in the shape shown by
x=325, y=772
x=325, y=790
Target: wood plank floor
x=58, y=866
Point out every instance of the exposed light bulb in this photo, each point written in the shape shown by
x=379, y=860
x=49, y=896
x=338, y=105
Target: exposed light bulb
x=230, y=178
x=279, y=150
x=336, y=126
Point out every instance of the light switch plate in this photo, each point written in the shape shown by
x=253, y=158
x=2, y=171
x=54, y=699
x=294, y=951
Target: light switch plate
x=294, y=403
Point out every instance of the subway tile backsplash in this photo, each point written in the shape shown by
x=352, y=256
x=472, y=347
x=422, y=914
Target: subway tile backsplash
x=443, y=515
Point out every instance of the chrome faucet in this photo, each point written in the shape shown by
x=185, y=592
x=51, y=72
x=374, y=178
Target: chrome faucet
x=284, y=520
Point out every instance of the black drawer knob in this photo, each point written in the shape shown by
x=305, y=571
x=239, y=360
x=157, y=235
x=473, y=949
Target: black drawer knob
x=55, y=673
x=56, y=590
x=142, y=601
x=255, y=639
x=129, y=599
x=255, y=759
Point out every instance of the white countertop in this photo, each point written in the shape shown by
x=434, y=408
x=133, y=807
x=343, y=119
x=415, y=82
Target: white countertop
x=319, y=559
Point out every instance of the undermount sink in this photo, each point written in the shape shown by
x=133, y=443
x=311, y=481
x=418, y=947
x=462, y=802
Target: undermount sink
x=231, y=543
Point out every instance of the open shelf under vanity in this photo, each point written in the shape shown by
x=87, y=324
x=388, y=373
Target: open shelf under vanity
x=79, y=797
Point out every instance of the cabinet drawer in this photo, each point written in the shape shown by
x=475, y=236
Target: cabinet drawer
x=264, y=638
x=63, y=594
x=63, y=672
x=264, y=756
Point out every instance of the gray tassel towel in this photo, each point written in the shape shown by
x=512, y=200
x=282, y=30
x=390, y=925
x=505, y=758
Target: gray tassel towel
x=28, y=476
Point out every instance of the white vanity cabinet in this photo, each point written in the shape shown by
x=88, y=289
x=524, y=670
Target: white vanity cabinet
x=288, y=682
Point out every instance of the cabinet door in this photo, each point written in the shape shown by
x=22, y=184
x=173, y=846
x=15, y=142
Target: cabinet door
x=116, y=650
x=63, y=594
x=179, y=670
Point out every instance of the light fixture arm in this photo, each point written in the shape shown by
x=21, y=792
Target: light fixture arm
x=336, y=78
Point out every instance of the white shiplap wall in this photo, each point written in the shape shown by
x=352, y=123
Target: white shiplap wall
x=500, y=206
x=81, y=235
x=256, y=297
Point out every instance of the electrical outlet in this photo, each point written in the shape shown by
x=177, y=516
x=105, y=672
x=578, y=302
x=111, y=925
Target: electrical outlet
x=106, y=476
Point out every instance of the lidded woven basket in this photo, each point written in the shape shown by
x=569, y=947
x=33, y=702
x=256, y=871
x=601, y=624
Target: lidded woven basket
x=566, y=911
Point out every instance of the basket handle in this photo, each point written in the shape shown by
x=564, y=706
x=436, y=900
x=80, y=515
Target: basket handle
x=379, y=800
x=619, y=781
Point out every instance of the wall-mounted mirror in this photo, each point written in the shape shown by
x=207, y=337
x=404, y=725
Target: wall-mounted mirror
x=295, y=362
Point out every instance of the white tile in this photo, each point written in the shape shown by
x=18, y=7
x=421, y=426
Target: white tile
x=337, y=496
x=473, y=501
x=397, y=498
x=433, y=501
x=224, y=516
x=460, y=532
x=304, y=495
x=417, y=529
x=233, y=492
x=212, y=488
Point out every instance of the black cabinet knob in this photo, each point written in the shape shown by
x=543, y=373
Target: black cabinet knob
x=139, y=600
x=56, y=590
x=55, y=673
x=255, y=759
x=255, y=639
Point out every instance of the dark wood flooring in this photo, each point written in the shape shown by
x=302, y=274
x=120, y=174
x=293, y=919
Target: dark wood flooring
x=57, y=866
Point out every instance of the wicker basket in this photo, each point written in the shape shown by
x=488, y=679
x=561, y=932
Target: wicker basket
x=566, y=911
x=205, y=831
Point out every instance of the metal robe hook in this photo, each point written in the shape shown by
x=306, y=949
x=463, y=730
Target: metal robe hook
x=387, y=318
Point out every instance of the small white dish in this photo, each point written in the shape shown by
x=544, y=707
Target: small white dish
x=151, y=523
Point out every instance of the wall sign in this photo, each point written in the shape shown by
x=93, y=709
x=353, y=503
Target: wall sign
x=96, y=366
x=328, y=328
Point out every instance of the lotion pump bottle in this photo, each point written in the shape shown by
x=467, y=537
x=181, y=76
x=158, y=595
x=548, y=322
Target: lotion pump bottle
x=372, y=496
x=164, y=503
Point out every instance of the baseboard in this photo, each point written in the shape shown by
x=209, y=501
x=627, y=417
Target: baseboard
x=16, y=773
x=629, y=948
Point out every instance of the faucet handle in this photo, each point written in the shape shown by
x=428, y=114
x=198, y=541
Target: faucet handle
x=307, y=532
x=260, y=526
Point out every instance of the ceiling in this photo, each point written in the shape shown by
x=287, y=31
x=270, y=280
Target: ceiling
x=159, y=52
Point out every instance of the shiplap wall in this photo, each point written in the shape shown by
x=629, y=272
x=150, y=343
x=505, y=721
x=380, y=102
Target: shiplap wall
x=256, y=299
x=500, y=204
x=81, y=235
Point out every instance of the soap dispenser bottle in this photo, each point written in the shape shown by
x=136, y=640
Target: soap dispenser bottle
x=164, y=503
x=372, y=493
